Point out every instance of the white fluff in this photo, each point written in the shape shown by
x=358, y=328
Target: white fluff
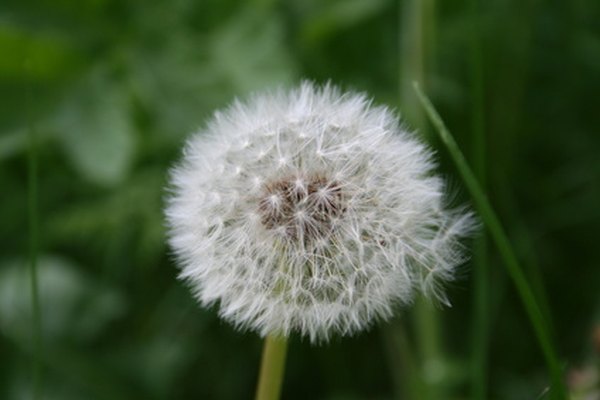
x=310, y=211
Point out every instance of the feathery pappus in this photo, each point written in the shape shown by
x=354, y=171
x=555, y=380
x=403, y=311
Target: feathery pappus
x=311, y=211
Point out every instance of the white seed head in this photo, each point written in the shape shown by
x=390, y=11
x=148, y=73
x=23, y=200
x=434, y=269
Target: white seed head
x=311, y=211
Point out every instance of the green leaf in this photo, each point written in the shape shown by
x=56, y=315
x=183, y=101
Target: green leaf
x=95, y=129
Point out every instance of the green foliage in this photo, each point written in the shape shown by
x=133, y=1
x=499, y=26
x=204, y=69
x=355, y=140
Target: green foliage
x=111, y=88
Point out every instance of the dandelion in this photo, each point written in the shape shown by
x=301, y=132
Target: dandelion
x=312, y=212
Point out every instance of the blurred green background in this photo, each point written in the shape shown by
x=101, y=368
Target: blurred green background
x=109, y=89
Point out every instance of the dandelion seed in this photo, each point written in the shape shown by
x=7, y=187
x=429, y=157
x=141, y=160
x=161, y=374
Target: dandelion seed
x=311, y=211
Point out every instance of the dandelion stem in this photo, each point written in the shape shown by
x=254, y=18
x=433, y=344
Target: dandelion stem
x=505, y=249
x=272, y=368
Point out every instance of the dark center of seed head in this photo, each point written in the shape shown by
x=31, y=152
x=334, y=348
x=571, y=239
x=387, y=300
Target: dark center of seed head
x=301, y=208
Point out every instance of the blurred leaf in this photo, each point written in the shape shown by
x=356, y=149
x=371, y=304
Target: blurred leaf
x=34, y=55
x=15, y=142
x=12, y=142
x=192, y=74
x=332, y=17
x=95, y=129
x=131, y=215
x=72, y=306
x=248, y=52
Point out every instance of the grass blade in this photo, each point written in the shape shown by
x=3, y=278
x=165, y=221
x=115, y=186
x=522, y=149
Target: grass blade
x=505, y=249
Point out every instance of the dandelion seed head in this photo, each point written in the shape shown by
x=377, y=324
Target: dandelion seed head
x=311, y=211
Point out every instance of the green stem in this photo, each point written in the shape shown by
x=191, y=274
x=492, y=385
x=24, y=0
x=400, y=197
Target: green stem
x=433, y=364
x=481, y=296
x=33, y=258
x=272, y=368
x=481, y=321
x=417, y=19
x=417, y=40
x=505, y=249
x=403, y=366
